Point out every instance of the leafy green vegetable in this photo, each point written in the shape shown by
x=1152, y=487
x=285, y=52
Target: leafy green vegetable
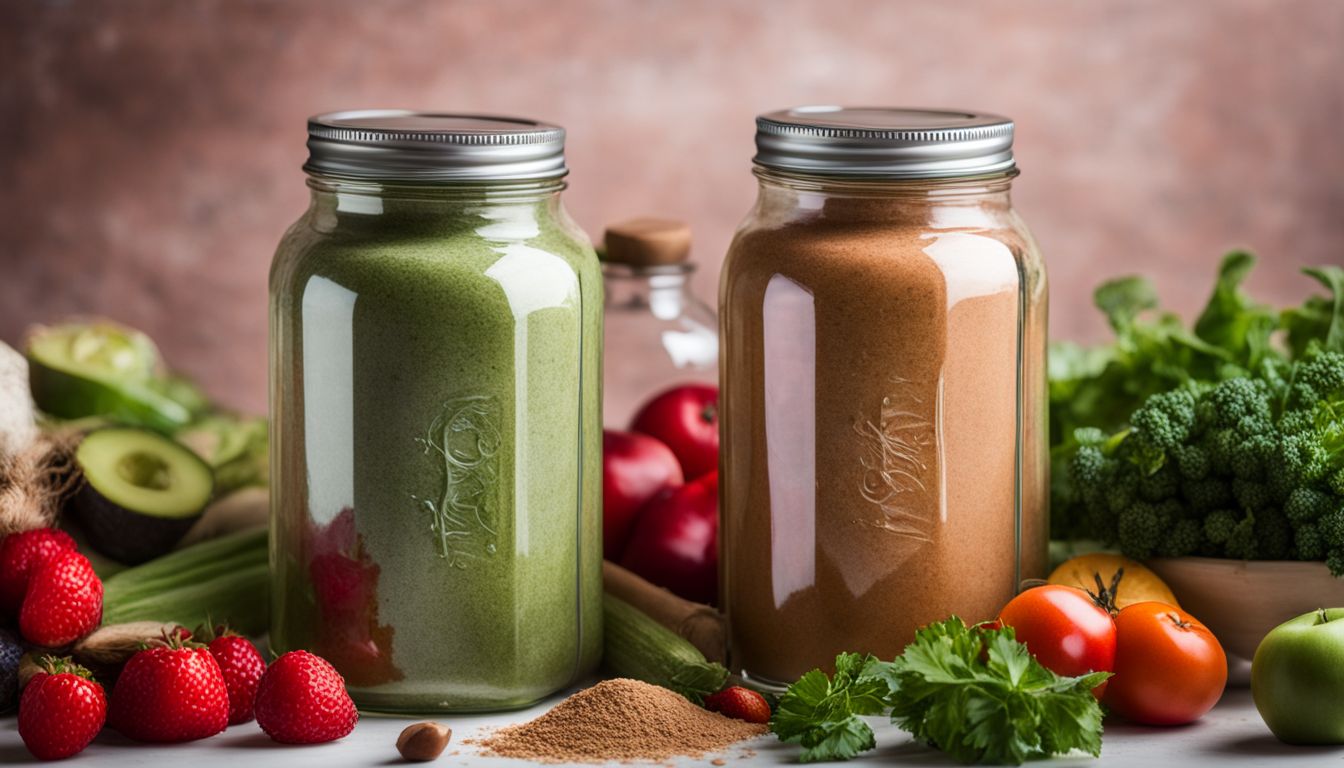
x=1249, y=468
x=1321, y=318
x=1103, y=388
x=822, y=714
x=973, y=692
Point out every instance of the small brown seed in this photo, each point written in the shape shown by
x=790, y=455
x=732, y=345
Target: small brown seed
x=422, y=742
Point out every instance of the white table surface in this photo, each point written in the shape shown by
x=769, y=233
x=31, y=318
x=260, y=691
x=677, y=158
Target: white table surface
x=1231, y=735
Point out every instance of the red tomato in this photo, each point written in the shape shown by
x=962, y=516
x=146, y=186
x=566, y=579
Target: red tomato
x=1169, y=670
x=634, y=469
x=686, y=418
x=1064, y=629
x=675, y=543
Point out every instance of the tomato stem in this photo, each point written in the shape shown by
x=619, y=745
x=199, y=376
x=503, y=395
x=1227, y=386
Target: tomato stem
x=1178, y=621
x=1106, y=597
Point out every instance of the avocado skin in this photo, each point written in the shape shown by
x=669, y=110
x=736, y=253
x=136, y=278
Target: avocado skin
x=123, y=534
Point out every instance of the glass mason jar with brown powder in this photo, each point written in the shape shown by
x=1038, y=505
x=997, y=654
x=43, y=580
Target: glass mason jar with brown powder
x=883, y=314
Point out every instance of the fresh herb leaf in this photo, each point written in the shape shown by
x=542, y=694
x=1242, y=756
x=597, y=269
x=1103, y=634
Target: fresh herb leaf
x=980, y=696
x=973, y=692
x=1231, y=321
x=1321, y=318
x=822, y=714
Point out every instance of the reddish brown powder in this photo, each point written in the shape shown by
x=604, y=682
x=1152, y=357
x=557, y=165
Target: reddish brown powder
x=620, y=720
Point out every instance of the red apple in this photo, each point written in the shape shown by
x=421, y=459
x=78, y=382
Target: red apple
x=675, y=543
x=634, y=469
x=686, y=419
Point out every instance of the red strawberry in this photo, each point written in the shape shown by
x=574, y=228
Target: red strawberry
x=302, y=700
x=20, y=554
x=241, y=666
x=173, y=691
x=64, y=602
x=61, y=710
x=739, y=703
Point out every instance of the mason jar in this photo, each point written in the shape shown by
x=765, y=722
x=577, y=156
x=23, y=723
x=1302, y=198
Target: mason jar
x=436, y=326
x=883, y=419
x=657, y=333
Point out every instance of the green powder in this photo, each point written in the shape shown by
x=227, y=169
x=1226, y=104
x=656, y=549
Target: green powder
x=438, y=368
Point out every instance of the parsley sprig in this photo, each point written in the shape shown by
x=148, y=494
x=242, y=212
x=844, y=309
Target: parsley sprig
x=973, y=692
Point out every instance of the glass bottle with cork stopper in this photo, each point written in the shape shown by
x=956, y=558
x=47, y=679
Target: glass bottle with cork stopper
x=657, y=333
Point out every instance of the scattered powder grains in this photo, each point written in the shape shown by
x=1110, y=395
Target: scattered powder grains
x=620, y=720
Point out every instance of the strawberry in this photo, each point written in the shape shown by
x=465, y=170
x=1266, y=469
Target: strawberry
x=739, y=703
x=302, y=700
x=64, y=602
x=241, y=665
x=61, y=710
x=20, y=554
x=172, y=691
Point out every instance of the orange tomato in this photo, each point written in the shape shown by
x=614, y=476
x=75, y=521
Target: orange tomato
x=1137, y=585
x=1169, y=668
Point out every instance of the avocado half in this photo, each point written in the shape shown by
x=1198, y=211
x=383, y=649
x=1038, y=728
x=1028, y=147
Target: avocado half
x=142, y=492
x=103, y=369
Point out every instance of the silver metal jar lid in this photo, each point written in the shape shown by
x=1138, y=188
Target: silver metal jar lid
x=884, y=142
x=429, y=147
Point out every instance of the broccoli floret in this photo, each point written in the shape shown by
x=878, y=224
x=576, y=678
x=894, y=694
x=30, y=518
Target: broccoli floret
x=1220, y=445
x=1192, y=461
x=1253, y=455
x=1161, y=485
x=1241, y=542
x=1142, y=529
x=1207, y=495
x=1273, y=535
x=1335, y=562
x=1304, y=458
x=1307, y=505
x=1251, y=496
x=1164, y=421
x=1088, y=468
x=1336, y=482
x=1307, y=542
x=1218, y=526
x=1320, y=378
x=1240, y=404
x=1122, y=490
x=1331, y=525
x=1186, y=538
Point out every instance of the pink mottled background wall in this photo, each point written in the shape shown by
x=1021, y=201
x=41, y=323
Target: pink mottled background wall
x=150, y=151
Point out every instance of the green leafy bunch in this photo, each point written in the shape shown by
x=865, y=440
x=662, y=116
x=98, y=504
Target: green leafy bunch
x=1249, y=468
x=1098, y=394
x=973, y=692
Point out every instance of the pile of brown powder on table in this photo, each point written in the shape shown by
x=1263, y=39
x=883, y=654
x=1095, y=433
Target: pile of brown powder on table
x=620, y=720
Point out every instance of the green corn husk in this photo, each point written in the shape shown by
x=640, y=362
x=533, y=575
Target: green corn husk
x=640, y=648
x=221, y=580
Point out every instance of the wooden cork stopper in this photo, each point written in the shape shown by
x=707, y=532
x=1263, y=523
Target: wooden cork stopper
x=648, y=242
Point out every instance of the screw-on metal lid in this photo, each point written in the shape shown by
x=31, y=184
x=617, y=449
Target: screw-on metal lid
x=884, y=142
x=429, y=147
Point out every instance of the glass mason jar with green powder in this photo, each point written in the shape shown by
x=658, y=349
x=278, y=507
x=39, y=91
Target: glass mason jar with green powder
x=436, y=333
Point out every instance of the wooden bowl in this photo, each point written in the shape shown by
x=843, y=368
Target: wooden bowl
x=1240, y=601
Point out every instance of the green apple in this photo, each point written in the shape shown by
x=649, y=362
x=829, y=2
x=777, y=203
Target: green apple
x=1297, y=678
